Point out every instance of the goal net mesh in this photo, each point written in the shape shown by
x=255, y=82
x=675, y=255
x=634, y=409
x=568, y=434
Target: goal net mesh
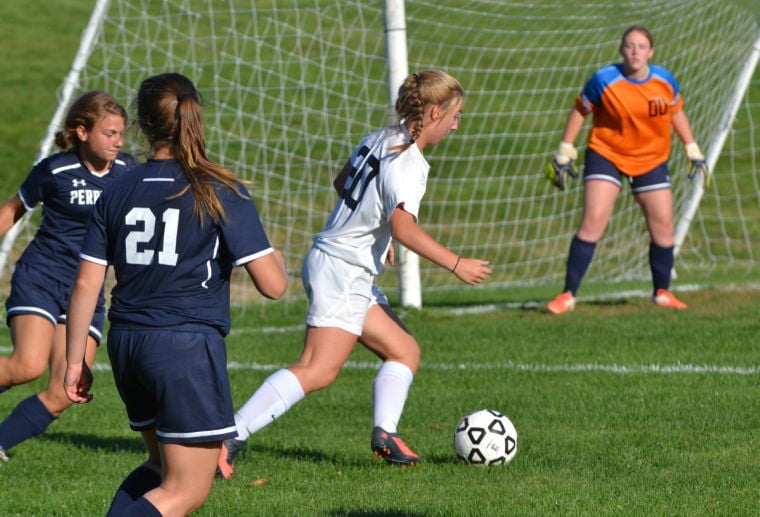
x=290, y=87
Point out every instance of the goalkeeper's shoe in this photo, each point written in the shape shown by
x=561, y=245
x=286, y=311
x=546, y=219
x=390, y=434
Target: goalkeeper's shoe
x=391, y=448
x=225, y=465
x=563, y=302
x=3, y=455
x=664, y=298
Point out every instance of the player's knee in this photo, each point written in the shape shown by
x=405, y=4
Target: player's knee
x=412, y=355
x=315, y=380
x=408, y=353
x=195, y=501
x=22, y=373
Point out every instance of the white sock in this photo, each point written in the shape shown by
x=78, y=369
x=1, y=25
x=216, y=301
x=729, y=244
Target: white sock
x=280, y=392
x=389, y=391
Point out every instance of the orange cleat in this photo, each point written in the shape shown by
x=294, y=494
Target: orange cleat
x=664, y=298
x=391, y=448
x=564, y=302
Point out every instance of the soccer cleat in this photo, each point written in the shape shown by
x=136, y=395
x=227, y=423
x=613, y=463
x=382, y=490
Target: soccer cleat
x=664, y=298
x=225, y=465
x=3, y=455
x=391, y=448
x=563, y=302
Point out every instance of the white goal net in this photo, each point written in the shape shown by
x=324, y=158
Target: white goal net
x=290, y=86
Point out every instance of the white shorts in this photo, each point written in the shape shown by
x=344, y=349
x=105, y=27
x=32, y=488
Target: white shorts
x=339, y=293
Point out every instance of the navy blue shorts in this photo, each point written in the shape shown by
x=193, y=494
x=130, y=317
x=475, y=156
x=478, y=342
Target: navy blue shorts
x=597, y=167
x=174, y=380
x=33, y=292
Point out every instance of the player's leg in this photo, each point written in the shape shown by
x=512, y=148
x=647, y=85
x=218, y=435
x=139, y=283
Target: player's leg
x=140, y=481
x=324, y=353
x=386, y=335
x=54, y=397
x=657, y=206
x=188, y=476
x=388, y=338
x=602, y=182
x=32, y=307
x=598, y=202
x=32, y=337
x=32, y=342
x=34, y=414
x=338, y=295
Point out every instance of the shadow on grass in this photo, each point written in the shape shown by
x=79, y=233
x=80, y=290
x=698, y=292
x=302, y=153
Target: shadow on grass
x=136, y=445
x=97, y=443
x=374, y=513
x=320, y=456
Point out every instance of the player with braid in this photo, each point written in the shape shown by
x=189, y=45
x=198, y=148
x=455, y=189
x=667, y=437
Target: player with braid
x=380, y=189
x=634, y=105
x=173, y=229
x=67, y=184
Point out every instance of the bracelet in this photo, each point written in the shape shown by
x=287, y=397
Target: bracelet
x=455, y=265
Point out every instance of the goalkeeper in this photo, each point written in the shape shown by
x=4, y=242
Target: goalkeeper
x=634, y=105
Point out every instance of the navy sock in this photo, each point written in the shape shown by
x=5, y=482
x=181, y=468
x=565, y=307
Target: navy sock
x=29, y=418
x=4, y=388
x=578, y=260
x=661, y=264
x=140, y=508
x=139, y=482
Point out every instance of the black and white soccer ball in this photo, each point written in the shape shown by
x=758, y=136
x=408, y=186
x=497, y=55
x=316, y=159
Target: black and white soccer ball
x=486, y=438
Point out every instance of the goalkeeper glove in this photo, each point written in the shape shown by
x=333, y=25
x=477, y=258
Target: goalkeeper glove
x=698, y=166
x=562, y=166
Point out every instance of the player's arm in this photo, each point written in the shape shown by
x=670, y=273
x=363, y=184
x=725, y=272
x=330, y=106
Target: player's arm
x=404, y=229
x=697, y=164
x=573, y=126
x=11, y=211
x=269, y=275
x=84, y=298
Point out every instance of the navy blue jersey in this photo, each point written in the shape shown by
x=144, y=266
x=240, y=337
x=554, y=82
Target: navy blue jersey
x=68, y=191
x=171, y=268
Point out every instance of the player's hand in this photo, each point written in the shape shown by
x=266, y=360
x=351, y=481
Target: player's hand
x=698, y=165
x=471, y=271
x=391, y=257
x=77, y=383
x=562, y=166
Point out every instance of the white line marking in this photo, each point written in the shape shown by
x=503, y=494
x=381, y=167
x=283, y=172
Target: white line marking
x=619, y=369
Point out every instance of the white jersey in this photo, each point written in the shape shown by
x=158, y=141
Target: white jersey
x=358, y=230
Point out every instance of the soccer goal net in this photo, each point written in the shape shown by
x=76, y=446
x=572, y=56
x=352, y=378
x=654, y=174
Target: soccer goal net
x=290, y=86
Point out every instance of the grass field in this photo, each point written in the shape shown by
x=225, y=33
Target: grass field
x=621, y=409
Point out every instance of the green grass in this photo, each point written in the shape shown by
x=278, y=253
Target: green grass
x=613, y=413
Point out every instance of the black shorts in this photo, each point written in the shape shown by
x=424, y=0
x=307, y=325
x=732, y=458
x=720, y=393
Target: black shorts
x=597, y=167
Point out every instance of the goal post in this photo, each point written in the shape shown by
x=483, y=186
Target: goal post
x=719, y=140
x=290, y=86
x=410, y=289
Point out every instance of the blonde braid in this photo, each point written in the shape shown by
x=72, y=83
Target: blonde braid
x=421, y=90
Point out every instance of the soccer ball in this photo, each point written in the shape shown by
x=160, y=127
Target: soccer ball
x=485, y=438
